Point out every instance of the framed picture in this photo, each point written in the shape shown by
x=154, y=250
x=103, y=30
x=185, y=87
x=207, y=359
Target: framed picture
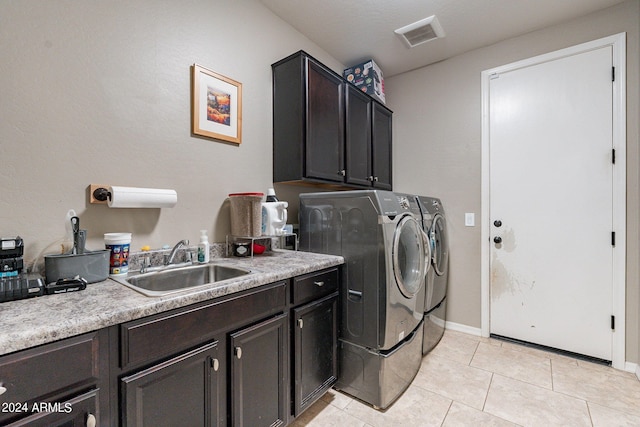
x=217, y=105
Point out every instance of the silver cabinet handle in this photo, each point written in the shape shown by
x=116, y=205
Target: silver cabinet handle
x=91, y=420
x=238, y=351
x=300, y=323
x=342, y=172
x=319, y=283
x=3, y=390
x=215, y=364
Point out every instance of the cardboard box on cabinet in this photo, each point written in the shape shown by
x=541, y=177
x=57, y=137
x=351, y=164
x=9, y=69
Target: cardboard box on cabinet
x=368, y=77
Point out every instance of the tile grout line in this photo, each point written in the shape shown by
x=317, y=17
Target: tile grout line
x=589, y=412
x=486, y=396
x=447, y=414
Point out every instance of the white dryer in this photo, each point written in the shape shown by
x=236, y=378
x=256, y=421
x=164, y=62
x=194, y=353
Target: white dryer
x=380, y=236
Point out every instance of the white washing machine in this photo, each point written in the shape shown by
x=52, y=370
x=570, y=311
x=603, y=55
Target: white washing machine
x=380, y=236
x=436, y=282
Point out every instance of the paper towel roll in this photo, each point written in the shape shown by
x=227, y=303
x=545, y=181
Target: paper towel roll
x=132, y=197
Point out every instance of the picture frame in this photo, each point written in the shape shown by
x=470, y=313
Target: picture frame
x=216, y=105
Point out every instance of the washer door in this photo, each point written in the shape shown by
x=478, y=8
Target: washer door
x=439, y=245
x=409, y=256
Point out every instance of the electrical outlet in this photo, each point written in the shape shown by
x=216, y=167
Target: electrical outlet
x=469, y=219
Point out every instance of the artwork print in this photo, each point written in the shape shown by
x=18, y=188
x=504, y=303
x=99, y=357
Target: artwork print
x=216, y=106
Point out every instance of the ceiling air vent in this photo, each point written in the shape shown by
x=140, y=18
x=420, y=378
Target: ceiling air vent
x=422, y=31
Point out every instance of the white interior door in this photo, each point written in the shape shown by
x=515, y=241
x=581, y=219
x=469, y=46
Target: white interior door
x=551, y=189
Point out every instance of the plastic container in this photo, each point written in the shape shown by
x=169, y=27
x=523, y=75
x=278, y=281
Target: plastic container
x=203, y=247
x=274, y=218
x=246, y=214
x=93, y=266
x=118, y=245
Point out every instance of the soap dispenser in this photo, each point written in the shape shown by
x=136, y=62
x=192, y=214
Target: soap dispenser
x=203, y=247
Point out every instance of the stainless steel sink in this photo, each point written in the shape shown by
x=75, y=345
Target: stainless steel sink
x=173, y=280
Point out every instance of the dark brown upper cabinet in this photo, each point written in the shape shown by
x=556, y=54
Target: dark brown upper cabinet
x=325, y=130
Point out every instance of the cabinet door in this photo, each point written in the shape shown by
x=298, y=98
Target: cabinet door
x=358, y=137
x=381, y=144
x=259, y=356
x=316, y=350
x=324, y=156
x=182, y=391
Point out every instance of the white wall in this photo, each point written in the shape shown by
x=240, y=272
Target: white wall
x=437, y=145
x=99, y=92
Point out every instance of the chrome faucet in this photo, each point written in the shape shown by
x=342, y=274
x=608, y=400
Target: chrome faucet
x=168, y=259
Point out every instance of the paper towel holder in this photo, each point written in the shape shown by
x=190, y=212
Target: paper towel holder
x=99, y=194
x=132, y=197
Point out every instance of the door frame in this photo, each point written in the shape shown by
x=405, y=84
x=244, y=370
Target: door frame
x=618, y=44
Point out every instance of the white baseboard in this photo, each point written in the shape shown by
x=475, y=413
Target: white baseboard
x=633, y=368
x=463, y=328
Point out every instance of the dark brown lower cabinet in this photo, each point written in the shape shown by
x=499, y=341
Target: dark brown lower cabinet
x=251, y=359
x=315, y=341
x=183, y=391
x=259, y=357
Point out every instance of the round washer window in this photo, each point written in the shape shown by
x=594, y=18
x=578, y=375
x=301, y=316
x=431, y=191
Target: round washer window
x=408, y=256
x=439, y=244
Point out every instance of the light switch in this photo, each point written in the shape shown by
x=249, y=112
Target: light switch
x=469, y=219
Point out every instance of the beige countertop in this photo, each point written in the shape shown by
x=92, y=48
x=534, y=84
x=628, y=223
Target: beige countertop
x=35, y=321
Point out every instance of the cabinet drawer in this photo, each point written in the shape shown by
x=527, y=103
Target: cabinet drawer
x=44, y=372
x=314, y=285
x=75, y=412
x=151, y=338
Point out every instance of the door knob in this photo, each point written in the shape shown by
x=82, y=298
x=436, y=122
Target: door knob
x=497, y=239
x=497, y=223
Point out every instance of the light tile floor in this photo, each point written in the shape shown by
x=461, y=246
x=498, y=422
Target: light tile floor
x=473, y=381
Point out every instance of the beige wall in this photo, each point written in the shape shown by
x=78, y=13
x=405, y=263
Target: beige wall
x=437, y=145
x=99, y=92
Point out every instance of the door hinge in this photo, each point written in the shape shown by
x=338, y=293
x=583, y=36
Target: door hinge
x=613, y=156
x=613, y=323
x=613, y=74
x=613, y=238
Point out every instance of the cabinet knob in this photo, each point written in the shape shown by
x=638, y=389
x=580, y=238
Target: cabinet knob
x=215, y=365
x=319, y=283
x=3, y=390
x=370, y=178
x=342, y=172
x=375, y=179
x=300, y=323
x=91, y=420
x=238, y=352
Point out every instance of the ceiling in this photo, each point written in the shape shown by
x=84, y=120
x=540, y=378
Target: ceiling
x=355, y=31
